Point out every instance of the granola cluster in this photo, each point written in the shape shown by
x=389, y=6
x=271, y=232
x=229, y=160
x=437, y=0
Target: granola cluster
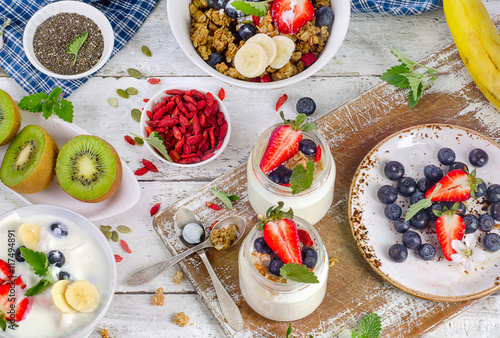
x=222, y=238
x=214, y=31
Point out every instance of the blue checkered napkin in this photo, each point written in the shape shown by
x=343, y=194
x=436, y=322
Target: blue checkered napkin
x=395, y=7
x=125, y=16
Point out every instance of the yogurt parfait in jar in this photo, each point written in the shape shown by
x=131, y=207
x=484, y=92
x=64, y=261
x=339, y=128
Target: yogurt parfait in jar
x=291, y=162
x=283, y=267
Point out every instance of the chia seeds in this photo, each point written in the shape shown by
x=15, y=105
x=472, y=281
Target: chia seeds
x=53, y=36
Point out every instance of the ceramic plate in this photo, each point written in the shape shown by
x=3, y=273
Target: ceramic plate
x=438, y=279
x=123, y=199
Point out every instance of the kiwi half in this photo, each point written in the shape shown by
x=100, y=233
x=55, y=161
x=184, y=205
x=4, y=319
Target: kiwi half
x=28, y=164
x=89, y=169
x=10, y=118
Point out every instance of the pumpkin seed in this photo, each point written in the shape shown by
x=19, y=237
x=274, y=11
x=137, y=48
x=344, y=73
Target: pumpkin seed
x=122, y=93
x=131, y=91
x=108, y=235
x=139, y=141
x=146, y=51
x=134, y=73
x=105, y=228
x=114, y=236
x=124, y=229
x=136, y=115
x=113, y=102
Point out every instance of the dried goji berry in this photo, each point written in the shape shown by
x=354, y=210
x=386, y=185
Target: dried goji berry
x=212, y=137
x=145, y=100
x=256, y=20
x=197, y=93
x=207, y=156
x=177, y=133
x=141, y=171
x=154, y=81
x=150, y=114
x=158, y=106
x=184, y=121
x=308, y=59
x=186, y=149
x=281, y=101
x=159, y=113
x=223, y=130
x=129, y=140
x=305, y=237
x=174, y=92
x=155, y=209
x=191, y=107
x=213, y=224
x=189, y=160
x=148, y=130
x=265, y=78
x=201, y=104
x=317, y=157
x=193, y=155
x=118, y=258
x=125, y=246
x=257, y=79
x=149, y=165
x=212, y=206
x=168, y=122
x=174, y=155
x=210, y=99
x=189, y=99
x=193, y=139
x=222, y=94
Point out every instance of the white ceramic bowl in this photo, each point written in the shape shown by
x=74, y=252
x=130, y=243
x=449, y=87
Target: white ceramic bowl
x=158, y=97
x=180, y=22
x=69, y=7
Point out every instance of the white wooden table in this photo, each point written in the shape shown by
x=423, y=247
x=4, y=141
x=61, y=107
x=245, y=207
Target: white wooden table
x=356, y=68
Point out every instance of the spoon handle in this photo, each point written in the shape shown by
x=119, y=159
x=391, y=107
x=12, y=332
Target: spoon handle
x=148, y=274
x=229, y=308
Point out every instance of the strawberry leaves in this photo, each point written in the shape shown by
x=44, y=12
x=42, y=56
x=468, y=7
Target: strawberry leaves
x=275, y=214
x=422, y=204
x=298, y=123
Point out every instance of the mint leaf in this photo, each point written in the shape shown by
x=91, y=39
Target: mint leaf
x=414, y=97
x=393, y=76
x=33, y=103
x=403, y=59
x=301, y=178
x=75, y=45
x=301, y=118
x=298, y=273
x=3, y=321
x=309, y=127
x=415, y=81
x=48, y=105
x=37, y=259
x=37, y=288
x=157, y=142
x=289, y=331
x=252, y=8
x=370, y=325
x=422, y=204
x=65, y=110
x=224, y=197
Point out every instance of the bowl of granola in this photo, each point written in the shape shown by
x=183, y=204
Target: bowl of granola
x=260, y=44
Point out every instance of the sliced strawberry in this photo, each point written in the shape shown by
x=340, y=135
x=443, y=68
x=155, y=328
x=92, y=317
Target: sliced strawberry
x=5, y=271
x=23, y=308
x=456, y=186
x=289, y=16
x=14, y=299
x=449, y=226
x=283, y=144
x=282, y=238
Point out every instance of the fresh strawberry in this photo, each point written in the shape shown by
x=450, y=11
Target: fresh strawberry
x=23, y=308
x=5, y=271
x=289, y=16
x=456, y=186
x=283, y=144
x=19, y=302
x=449, y=226
x=282, y=238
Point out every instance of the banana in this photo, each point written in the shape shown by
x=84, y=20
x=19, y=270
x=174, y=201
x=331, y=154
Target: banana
x=250, y=60
x=478, y=43
x=57, y=293
x=267, y=43
x=82, y=296
x=285, y=47
x=29, y=234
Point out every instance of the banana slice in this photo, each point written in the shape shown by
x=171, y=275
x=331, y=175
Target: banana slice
x=250, y=60
x=285, y=47
x=57, y=293
x=82, y=296
x=267, y=43
x=29, y=234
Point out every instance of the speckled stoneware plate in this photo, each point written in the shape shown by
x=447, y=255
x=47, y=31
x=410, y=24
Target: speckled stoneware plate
x=438, y=279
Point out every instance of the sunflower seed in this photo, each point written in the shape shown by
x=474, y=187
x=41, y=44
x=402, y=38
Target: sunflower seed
x=136, y=115
x=139, y=141
x=113, y=102
x=122, y=93
x=146, y=51
x=134, y=73
x=114, y=236
x=124, y=229
x=131, y=91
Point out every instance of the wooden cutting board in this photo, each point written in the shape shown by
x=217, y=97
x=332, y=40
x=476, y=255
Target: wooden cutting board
x=353, y=288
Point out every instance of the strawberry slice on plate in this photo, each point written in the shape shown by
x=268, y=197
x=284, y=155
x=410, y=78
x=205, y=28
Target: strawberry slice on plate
x=449, y=226
x=289, y=16
x=282, y=238
x=456, y=186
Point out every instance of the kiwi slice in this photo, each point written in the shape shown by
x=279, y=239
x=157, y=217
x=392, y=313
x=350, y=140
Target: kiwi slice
x=10, y=118
x=89, y=169
x=28, y=164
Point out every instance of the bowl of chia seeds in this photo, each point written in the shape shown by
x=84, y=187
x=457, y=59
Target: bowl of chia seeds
x=68, y=40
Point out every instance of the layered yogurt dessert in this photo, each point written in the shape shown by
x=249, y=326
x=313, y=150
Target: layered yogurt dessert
x=283, y=267
x=60, y=277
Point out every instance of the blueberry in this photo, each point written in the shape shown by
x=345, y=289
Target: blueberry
x=491, y=242
x=478, y=158
x=493, y=193
x=433, y=173
x=411, y=240
x=426, y=252
x=214, y=59
x=306, y=105
x=417, y=196
x=480, y=190
x=19, y=255
x=387, y=194
x=217, y=4
x=401, y=226
x=436, y=207
x=59, y=230
x=64, y=275
x=56, y=257
x=495, y=211
x=309, y=257
x=486, y=222
x=308, y=147
x=261, y=246
x=247, y=31
x=286, y=174
x=424, y=184
x=233, y=12
x=420, y=220
x=392, y=211
x=324, y=16
x=398, y=253
x=471, y=223
x=458, y=165
x=446, y=156
x=275, y=266
x=275, y=176
x=407, y=186
x=394, y=170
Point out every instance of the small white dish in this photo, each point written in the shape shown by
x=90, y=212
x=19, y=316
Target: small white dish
x=69, y=7
x=437, y=280
x=123, y=199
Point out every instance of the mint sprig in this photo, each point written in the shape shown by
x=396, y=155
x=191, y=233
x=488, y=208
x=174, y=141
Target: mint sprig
x=38, y=287
x=301, y=178
x=37, y=259
x=422, y=204
x=227, y=199
x=48, y=105
x=75, y=45
x=156, y=141
x=259, y=8
x=275, y=214
x=369, y=326
x=298, y=273
x=298, y=123
x=3, y=321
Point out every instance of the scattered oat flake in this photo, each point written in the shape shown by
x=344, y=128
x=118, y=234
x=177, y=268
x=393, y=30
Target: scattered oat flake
x=118, y=258
x=178, y=277
x=149, y=165
x=155, y=209
x=141, y=171
x=281, y=101
x=213, y=224
x=222, y=94
x=159, y=297
x=154, y=81
x=181, y=319
x=332, y=261
x=213, y=206
x=125, y=246
x=104, y=333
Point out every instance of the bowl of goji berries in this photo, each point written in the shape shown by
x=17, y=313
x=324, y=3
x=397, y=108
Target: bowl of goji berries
x=192, y=123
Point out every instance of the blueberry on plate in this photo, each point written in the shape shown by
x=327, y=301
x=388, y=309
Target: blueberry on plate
x=64, y=275
x=486, y=222
x=398, y=253
x=407, y=186
x=217, y=4
x=19, y=255
x=437, y=207
x=493, y=193
x=394, y=170
x=424, y=184
x=392, y=211
x=446, y=156
x=56, y=257
x=214, y=59
x=306, y=105
x=433, y=173
x=324, y=16
x=411, y=240
x=491, y=242
x=261, y=246
x=458, y=165
x=480, y=190
x=495, y=211
x=309, y=257
x=401, y=226
x=247, y=31
x=420, y=220
x=387, y=194
x=275, y=266
x=59, y=230
x=416, y=196
x=307, y=147
x=471, y=223
x=478, y=157
x=426, y=252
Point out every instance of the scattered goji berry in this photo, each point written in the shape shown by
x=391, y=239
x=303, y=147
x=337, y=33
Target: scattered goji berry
x=174, y=92
x=145, y=100
x=129, y=140
x=213, y=224
x=222, y=94
x=125, y=246
x=154, y=81
x=141, y=171
x=317, y=157
x=308, y=59
x=149, y=165
x=118, y=258
x=212, y=206
x=155, y=209
x=305, y=237
x=281, y=101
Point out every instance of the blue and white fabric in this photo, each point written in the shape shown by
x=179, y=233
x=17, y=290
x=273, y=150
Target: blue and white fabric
x=395, y=7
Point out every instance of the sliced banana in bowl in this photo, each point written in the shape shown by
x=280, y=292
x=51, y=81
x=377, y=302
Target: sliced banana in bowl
x=250, y=60
x=57, y=294
x=82, y=296
x=285, y=48
x=267, y=43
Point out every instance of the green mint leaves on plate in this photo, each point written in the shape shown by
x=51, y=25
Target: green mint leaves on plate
x=227, y=199
x=156, y=141
x=40, y=264
x=369, y=327
x=259, y=8
x=404, y=76
x=75, y=45
x=298, y=273
x=301, y=178
x=48, y=105
x=422, y=204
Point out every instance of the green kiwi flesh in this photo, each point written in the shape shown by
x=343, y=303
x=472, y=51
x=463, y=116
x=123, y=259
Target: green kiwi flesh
x=88, y=168
x=10, y=118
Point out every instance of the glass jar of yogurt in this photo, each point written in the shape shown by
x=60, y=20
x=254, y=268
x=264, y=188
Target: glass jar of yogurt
x=282, y=301
x=311, y=204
